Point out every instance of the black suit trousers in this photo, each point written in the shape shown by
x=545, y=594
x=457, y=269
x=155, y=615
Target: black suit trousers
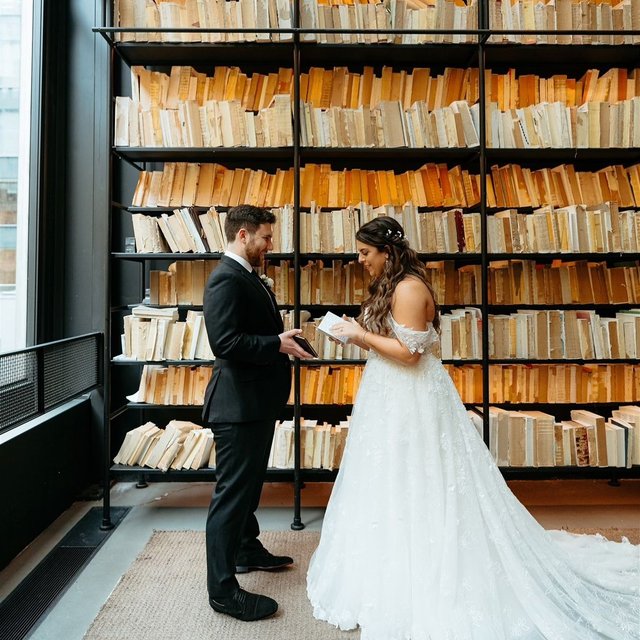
x=242, y=455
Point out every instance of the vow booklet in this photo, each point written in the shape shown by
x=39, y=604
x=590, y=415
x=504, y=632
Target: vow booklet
x=327, y=322
x=305, y=344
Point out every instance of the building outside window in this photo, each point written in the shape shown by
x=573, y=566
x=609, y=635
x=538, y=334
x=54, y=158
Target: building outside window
x=15, y=113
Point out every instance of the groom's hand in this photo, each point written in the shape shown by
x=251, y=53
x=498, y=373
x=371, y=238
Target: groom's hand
x=290, y=346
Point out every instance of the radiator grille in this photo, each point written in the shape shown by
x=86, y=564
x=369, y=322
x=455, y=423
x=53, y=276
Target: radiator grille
x=69, y=369
x=23, y=608
x=18, y=387
x=35, y=380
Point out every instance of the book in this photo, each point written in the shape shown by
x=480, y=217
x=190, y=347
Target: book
x=132, y=442
x=328, y=321
x=302, y=342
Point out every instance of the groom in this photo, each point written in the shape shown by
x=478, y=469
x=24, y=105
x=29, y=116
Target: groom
x=247, y=392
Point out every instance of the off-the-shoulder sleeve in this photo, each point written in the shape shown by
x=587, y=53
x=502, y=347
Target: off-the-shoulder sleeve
x=415, y=341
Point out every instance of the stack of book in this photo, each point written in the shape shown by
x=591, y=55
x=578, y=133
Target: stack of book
x=218, y=123
x=188, y=184
x=551, y=334
x=155, y=334
x=185, y=445
x=510, y=92
x=328, y=384
x=185, y=184
x=593, y=125
x=189, y=231
x=461, y=334
x=432, y=185
x=277, y=14
x=183, y=283
x=185, y=84
x=183, y=231
x=598, y=228
x=451, y=231
x=563, y=383
x=390, y=126
x=455, y=284
x=172, y=385
x=565, y=15
x=321, y=444
x=515, y=186
x=575, y=282
x=320, y=282
x=537, y=439
x=401, y=14
x=343, y=89
x=181, y=445
x=467, y=380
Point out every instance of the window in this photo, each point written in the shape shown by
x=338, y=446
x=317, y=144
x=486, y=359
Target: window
x=15, y=115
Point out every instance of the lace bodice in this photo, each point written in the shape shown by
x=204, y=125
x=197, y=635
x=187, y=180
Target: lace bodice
x=426, y=341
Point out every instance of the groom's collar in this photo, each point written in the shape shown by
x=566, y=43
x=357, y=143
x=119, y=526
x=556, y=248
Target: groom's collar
x=239, y=260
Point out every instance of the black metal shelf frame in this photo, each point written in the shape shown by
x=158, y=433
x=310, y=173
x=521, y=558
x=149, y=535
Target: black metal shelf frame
x=350, y=257
x=301, y=55
x=123, y=472
x=610, y=256
x=507, y=308
x=459, y=362
x=534, y=361
x=616, y=258
x=374, y=156
x=145, y=474
x=316, y=307
x=201, y=209
x=309, y=363
x=431, y=257
x=526, y=406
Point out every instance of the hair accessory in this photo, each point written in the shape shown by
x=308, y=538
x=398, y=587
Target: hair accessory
x=393, y=235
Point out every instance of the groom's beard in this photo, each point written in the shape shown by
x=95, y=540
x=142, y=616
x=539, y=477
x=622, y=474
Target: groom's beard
x=255, y=256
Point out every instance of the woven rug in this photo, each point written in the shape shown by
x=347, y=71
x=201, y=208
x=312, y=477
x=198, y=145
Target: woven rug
x=163, y=594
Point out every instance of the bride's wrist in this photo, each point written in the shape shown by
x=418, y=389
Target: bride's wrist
x=363, y=337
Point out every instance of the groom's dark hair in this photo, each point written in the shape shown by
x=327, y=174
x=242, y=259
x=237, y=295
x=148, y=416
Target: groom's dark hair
x=246, y=216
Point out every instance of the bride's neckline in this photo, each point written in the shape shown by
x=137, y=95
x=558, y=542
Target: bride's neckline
x=425, y=330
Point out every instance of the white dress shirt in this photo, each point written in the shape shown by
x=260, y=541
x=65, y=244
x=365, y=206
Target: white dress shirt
x=239, y=259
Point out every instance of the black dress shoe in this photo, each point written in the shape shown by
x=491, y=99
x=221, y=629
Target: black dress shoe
x=263, y=561
x=245, y=606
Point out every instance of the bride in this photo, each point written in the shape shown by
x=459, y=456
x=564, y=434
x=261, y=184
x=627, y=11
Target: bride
x=422, y=539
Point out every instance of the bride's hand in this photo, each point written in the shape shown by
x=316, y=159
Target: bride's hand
x=349, y=329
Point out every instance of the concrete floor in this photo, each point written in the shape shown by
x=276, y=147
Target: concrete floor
x=174, y=506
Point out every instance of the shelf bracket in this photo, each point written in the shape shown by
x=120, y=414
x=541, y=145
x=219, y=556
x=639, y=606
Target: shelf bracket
x=131, y=162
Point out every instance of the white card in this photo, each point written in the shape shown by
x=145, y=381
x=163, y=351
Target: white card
x=327, y=323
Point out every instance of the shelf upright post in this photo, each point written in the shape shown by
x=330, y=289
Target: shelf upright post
x=483, y=15
x=297, y=523
x=107, y=14
x=484, y=256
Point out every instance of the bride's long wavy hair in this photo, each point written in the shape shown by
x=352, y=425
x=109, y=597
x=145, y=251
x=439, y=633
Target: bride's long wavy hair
x=386, y=234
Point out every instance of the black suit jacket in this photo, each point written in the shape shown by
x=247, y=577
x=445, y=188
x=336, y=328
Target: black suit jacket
x=251, y=380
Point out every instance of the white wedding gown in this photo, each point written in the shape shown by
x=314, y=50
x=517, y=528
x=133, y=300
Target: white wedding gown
x=423, y=540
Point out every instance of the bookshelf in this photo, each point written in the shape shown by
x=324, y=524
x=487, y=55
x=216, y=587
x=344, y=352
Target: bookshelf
x=481, y=52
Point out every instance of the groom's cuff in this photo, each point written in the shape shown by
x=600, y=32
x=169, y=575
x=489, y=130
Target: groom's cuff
x=272, y=347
